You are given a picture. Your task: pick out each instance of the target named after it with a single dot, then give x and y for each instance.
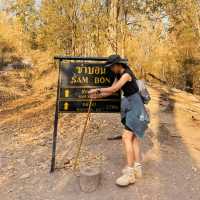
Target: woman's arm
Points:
(100, 95)
(117, 85)
(95, 95)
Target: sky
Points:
(36, 1)
(1, 4)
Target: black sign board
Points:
(76, 79)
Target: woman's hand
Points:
(98, 94)
(93, 93)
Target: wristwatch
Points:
(98, 91)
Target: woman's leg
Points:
(128, 176)
(128, 143)
(137, 154)
(136, 149)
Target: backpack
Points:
(144, 93)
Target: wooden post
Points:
(89, 179)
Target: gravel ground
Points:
(171, 150)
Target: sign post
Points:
(55, 130)
(75, 79)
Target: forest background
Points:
(161, 38)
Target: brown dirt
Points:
(171, 150)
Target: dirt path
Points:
(171, 151)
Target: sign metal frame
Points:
(57, 111)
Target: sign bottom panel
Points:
(82, 106)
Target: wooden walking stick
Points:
(82, 134)
(89, 178)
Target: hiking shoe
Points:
(137, 170)
(127, 178)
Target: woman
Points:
(133, 116)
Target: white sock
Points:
(137, 165)
(130, 167)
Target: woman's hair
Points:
(125, 65)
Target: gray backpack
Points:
(144, 93)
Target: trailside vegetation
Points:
(159, 37)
